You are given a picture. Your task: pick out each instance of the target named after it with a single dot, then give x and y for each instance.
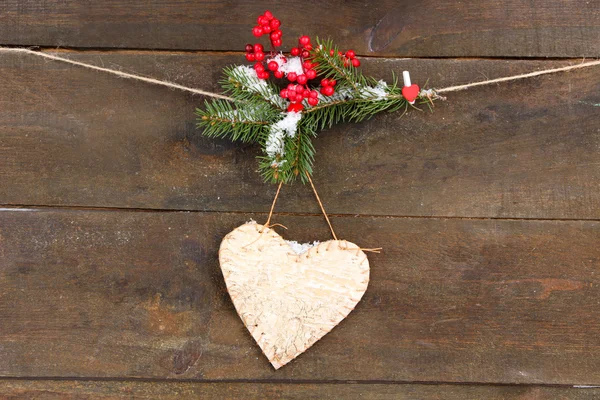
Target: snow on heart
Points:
(290, 295)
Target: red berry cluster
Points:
(268, 25)
(297, 93)
(327, 87)
(298, 89)
(261, 73)
(255, 53)
(303, 49)
(349, 58)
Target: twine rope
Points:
(268, 225)
(220, 96)
(517, 77)
(273, 205)
(428, 93)
(312, 185)
(114, 72)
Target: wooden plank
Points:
(73, 137)
(49, 389)
(140, 294)
(516, 28)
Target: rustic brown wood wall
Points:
(112, 205)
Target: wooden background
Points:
(112, 205)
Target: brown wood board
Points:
(75, 137)
(71, 390)
(140, 294)
(490, 28)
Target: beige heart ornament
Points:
(287, 300)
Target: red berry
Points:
(250, 57)
(311, 74)
(295, 108)
(299, 89)
(305, 54)
(346, 62)
(278, 74)
(275, 23)
(350, 54)
(292, 76)
(257, 31)
(328, 90)
(324, 82)
(258, 48)
(308, 47)
(273, 66)
(304, 40)
(262, 20)
(283, 93)
(295, 51)
(249, 48)
(314, 94)
(264, 75)
(276, 42)
(302, 79)
(356, 63)
(331, 52)
(259, 69)
(305, 93)
(313, 101)
(266, 29)
(332, 82)
(291, 86)
(268, 15)
(306, 65)
(259, 56)
(278, 33)
(299, 97)
(339, 53)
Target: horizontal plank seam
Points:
(34, 208)
(290, 381)
(166, 51)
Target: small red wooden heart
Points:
(411, 92)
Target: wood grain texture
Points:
(74, 137)
(75, 390)
(140, 294)
(514, 28)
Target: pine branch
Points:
(334, 66)
(242, 84)
(259, 114)
(297, 158)
(357, 97)
(247, 122)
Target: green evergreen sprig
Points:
(257, 111)
(247, 122)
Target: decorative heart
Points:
(411, 92)
(287, 300)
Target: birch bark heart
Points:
(289, 301)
